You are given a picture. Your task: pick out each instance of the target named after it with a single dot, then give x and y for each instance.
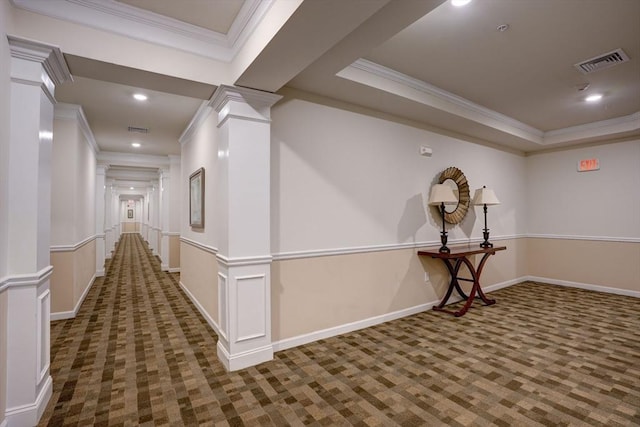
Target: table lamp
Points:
(442, 194)
(484, 196)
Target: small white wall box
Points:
(425, 151)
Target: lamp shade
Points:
(485, 196)
(442, 193)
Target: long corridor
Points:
(139, 353)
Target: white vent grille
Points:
(138, 129)
(603, 61)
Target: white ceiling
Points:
(426, 61)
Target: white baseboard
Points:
(376, 320)
(62, 315)
(100, 273)
(587, 286)
(174, 270)
(164, 267)
(29, 415)
(350, 327)
(201, 309)
(244, 359)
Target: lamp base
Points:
(443, 239)
(486, 243)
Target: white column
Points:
(165, 197)
(101, 187)
(117, 216)
(243, 211)
(109, 239)
(35, 70)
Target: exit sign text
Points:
(586, 165)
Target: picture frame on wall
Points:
(130, 213)
(196, 199)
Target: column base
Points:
(29, 415)
(244, 359)
(244, 311)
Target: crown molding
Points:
(75, 112)
(196, 121)
(123, 19)
(456, 103)
(112, 158)
(610, 127)
(470, 110)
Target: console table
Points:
(454, 260)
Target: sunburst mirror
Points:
(454, 178)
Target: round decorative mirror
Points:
(454, 178)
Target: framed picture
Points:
(196, 199)
(130, 213)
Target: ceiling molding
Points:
(248, 18)
(75, 112)
(139, 24)
(112, 158)
(196, 121)
(362, 70)
(609, 128)
(375, 75)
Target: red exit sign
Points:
(586, 165)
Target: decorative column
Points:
(153, 218)
(116, 216)
(165, 197)
(109, 239)
(35, 71)
(243, 225)
(101, 187)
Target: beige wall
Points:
(85, 268)
(609, 264)
(62, 282)
(73, 273)
(131, 227)
(174, 252)
(199, 275)
(312, 294)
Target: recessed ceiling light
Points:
(140, 97)
(130, 188)
(593, 98)
(459, 3)
(135, 144)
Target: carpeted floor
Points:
(138, 353)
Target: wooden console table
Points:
(454, 260)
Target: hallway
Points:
(139, 353)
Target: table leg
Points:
(484, 298)
(474, 288)
(453, 284)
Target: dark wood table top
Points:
(460, 251)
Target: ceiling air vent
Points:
(138, 130)
(601, 62)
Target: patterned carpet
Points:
(138, 353)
